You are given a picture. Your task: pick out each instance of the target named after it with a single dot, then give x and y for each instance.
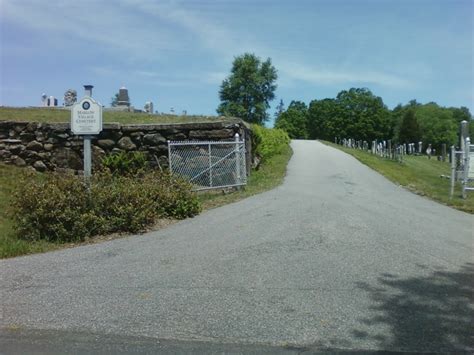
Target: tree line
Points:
(355, 113)
(359, 114)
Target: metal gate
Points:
(208, 164)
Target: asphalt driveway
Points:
(337, 257)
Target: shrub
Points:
(125, 163)
(60, 208)
(54, 209)
(267, 142)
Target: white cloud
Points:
(145, 31)
(298, 72)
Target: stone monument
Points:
(123, 99)
(148, 108)
(70, 97)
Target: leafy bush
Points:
(267, 142)
(60, 208)
(125, 163)
(54, 209)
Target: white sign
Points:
(86, 117)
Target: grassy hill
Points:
(53, 115)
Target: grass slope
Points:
(418, 174)
(51, 115)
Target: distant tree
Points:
(279, 109)
(409, 131)
(298, 105)
(114, 100)
(247, 91)
(324, 121)
(364, 115)
(294, 120)
(437, 125)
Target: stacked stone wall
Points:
(52, 146)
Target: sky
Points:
(176, 53)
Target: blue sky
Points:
(176, 53)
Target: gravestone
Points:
(123, 99)
(70, 97)
(148, 107)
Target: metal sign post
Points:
(86, 120)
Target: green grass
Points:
(418, 174)
(51, 115)
(270, 174)
(10, 245)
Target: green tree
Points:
(365, 117)
(298, 105)
(410, 131)
(325, 120)
(294, 120)
(437, 125)
(247, 91)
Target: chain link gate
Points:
(208, 164)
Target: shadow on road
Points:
(429, 313)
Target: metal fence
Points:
(462, 167)
(207, 164)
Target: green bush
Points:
(60, 208)
(267, 142)
(125, 163)
(54, 209)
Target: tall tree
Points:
(365, 115)
(324, 122)
(298, 105)
(248, 90)
(294, 120)
(279, 109)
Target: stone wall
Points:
(52, 146)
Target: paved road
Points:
(335, 258)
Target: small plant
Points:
(125, 163)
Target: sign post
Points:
(86, 120)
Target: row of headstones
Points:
(385, 149)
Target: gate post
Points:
(453, 171)
(467, 144)
(237, 157)
(210, 164)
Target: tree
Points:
(298, 105)
(294, 120)
(324, 121)
(247, 91)
(437, 125)
(114, 100)
(364, 115)
(410, 131)
(279, 109)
